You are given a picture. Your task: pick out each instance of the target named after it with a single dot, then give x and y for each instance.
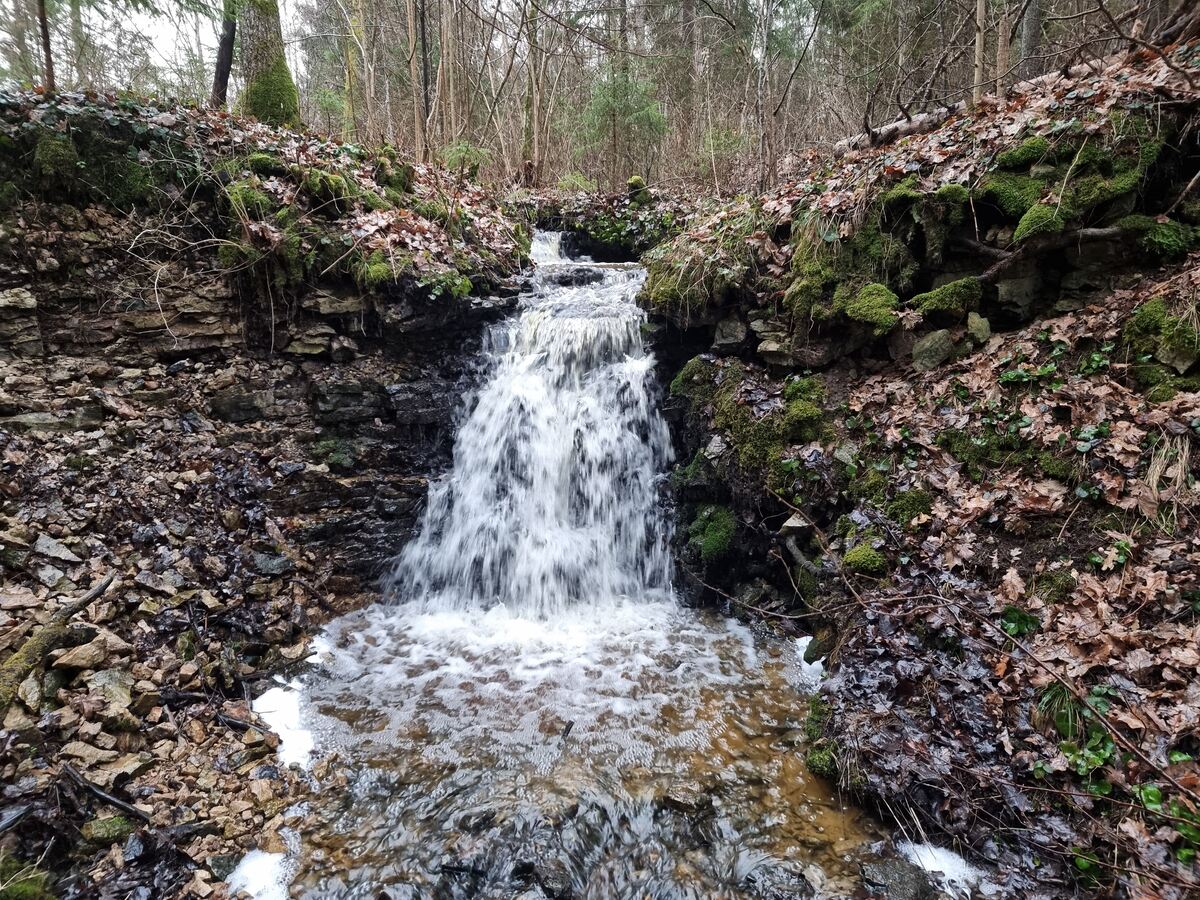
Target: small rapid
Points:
(530, 711)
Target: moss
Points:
(904, 192)
(272, 96)
(331, 191)
(103, 832)
(819, 714)
(951, 300)
(955, 194)
(907, 505)
(822, 762)
(1042, 218)
(1169, 240)
(711, 532)
(247, 200)
(56, 162)
(262, 163)
(694, 380)
(433, 210)
(1055, 586)
(863, 559)
(988, 450)
(1059, 468)
(1172, 340)
(393, 175)
(372, 271)
(874, 305)
(638, 193)
(1025, 154)
(701, 269)
(870, 485)
(339, 454)
(1014, 194)
(22, 881)
(807, 584)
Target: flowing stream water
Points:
(531, 712)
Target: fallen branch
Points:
(115, 802)
(928, 121)
(38, 645)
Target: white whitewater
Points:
(551, 498)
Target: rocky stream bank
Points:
(935, 400)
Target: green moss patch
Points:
(951, 300)
(1031, 150)
(874, 305)
(22, 881)
(1042, 218)
(711, 532)
(272, 97)
(863, 559)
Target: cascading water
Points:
(551, 499)
(532, 713)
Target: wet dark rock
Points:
(571, 276)
(898, 879)
(268, 564)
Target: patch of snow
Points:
(954, 874)
(809, 675)
(280, 708)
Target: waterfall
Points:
(551, 499)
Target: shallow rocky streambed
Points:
(530, 711)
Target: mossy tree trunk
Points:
(270, 94)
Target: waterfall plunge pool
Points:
(532, 714)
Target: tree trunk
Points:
(270, 94)
(980, 51)
(25, 65)
(1003, 50)
(419, 142)
(1031, 40)
(47, 55)
(220, 85)
(80, 45)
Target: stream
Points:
(530, 711)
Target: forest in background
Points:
(715, 95)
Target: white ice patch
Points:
(954, 874)
(264, 876)
(280, 709)
(809, 674)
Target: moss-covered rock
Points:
(637, 191)
(1031, 150)
(56, 163)
(1014, 194)
(1166, 239)
(863, 559)
(822, 762)
(874, 305)
(951, 300)
(711, 533)
(103, 832)
(1154, 331)
(1041, 218)
(907, 505)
